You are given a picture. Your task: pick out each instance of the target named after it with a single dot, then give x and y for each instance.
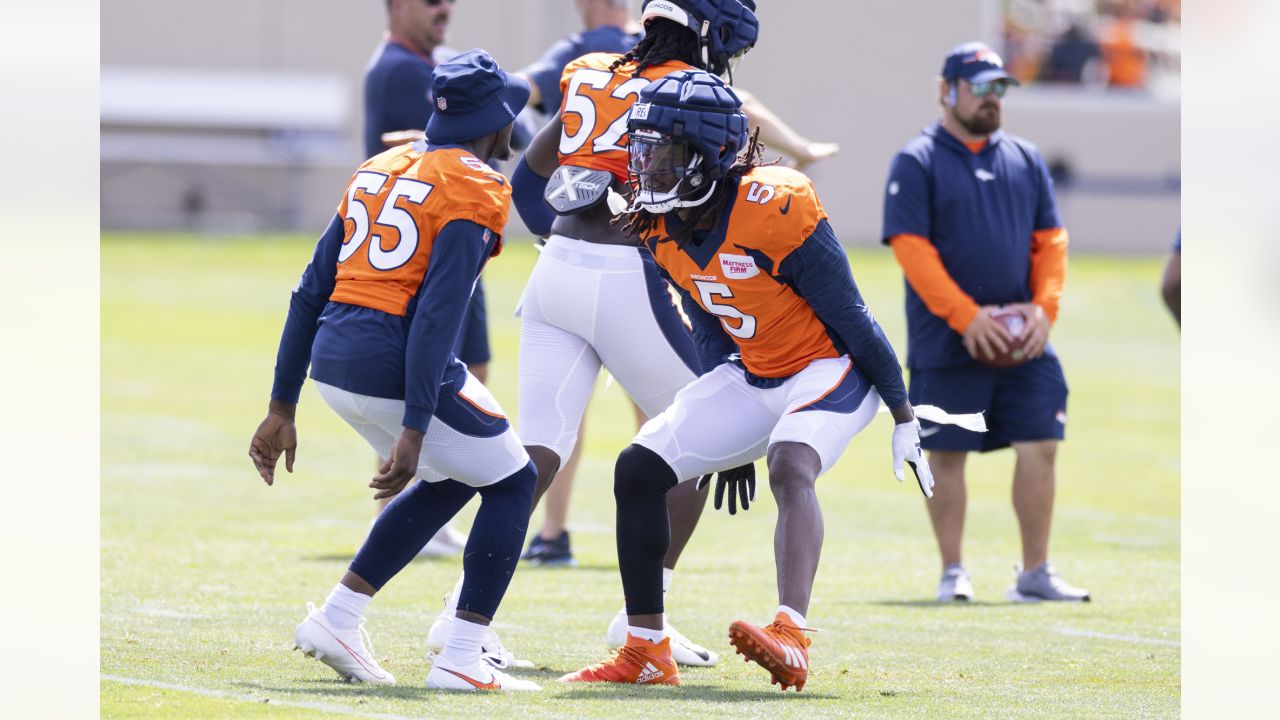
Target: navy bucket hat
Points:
(977, 63)
(473, 97)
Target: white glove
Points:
(906, 447)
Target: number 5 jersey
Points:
(771, 284)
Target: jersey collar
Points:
(704, 251)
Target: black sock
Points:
(405, 525)
(640, 483)
(495, 541)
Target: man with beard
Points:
(971, 217)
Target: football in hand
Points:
(1015, 323)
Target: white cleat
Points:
(491, 649)
(447, 542)
(446, 675)
(954, 585)
(348, 652)
(1044, 584)
(683, 650)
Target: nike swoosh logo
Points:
(929, 431)
(478, 685)
(786, 207)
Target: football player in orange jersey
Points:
(375, 316)
(793, 363)
(595, 298)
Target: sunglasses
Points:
(983, 89)
(437, 3)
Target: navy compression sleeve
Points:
(308, 301)
(456, 257)
(527, 190)
(819, 271)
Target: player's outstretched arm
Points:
(776, 134)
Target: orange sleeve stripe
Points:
(929, 278)
(1048, 269)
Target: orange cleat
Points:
(781, 648)
(639, 662)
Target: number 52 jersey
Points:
(594, 111)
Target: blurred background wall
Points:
(245, 115)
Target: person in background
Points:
(971, 216)
(1171, 282)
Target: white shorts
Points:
(721, 421)
(468, 440)
(588, 305)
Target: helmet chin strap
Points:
(672, 202)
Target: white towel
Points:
(969, 421)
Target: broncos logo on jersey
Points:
(733, 273)
(594, 111)
(395, 205)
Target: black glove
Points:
(740, 479)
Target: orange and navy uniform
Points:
(971, 224)
(379, 308)
(430, 189)
(771, 283)
(594, 111)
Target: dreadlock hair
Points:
(642, 223)
(664, 40)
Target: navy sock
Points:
(495, 541)
(641, 480)
(405, 525)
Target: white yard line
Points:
(1122, 638)
(205, 692)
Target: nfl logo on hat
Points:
(440, 103)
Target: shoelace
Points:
(366, 640)
(626, 653)
(493, 651)
(780, 628)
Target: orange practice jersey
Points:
(594, 111)
(395, 206)
(733, 273)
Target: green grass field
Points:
(205, 570)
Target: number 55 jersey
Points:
(378, 309)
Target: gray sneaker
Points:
(954, 584)
(1043, 583)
